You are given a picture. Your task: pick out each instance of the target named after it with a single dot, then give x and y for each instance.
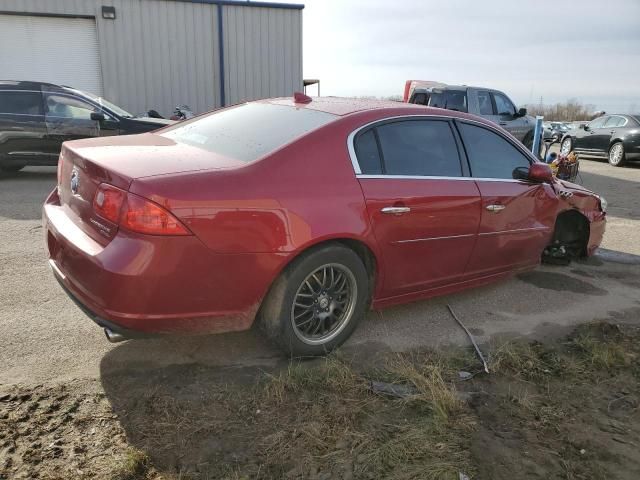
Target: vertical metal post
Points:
(223, 100)
(537, 134)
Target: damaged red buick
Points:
(299, 215)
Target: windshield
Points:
(250, 131)
(106, 104)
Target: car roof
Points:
(341, 106)
(372, 109)
(28, 85)
(454, 88)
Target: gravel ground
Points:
(45, 338)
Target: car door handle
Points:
(395, 210)
(503, 123)
(495, 208)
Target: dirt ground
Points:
(567, 409)
(229, 406)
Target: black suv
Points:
(35, 118)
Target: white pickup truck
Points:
(484, 102)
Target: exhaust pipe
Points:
(114, 337)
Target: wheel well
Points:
(366, 255)
(360, 248)
(572, 231)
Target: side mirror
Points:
(540, 172)
(97, 116)
(521, 173)
(522, 112)
(584, 126)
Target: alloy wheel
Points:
(324, 303)
(565, 148)
(615, 154)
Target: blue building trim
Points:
(223, 100)
(247, 3)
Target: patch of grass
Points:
(333, 373)
(325, 414)
(599, 353)
(530, 361)
(135, 466)
(427, 377)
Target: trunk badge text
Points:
(75, 181)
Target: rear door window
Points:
(484, 103)
(248, 132)
(21, 103)
(615, 121)
(419, 148)
(490, 155)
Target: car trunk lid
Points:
(117, 161)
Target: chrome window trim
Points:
(358, 170)
(425, 177)
(22, 114)
(18, 90)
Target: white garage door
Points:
(50, 49)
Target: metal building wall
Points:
(263, 52)
(162, 53)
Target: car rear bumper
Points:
(142, 284)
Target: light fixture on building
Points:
(109, 13)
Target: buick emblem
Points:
(75, 181)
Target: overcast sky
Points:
(587, 49)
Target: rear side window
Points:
(250, 131)
(368, 154)
(420, 99)
(419, 147)
(449, 99)
(21, 103)
(490, 155)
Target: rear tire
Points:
(316, 303)
(617, 156)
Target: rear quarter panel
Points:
(300, 195)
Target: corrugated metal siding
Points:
(263, 52)
(56, 50)
(162, 53)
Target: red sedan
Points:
(301, 215)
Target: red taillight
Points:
(108, 202)
(135, 213)
(144, 216)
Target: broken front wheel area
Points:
(570, 239)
